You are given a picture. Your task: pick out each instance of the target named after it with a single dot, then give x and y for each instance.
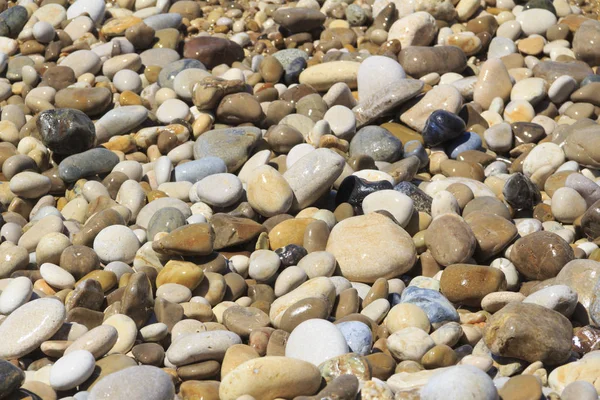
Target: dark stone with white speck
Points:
(291, 254)
(421, 200)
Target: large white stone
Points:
(72, 370)
(375, 75)
(30, 325)
(316, 341)
(95, 8)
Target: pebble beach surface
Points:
(321, 199)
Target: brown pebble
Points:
(439, 356)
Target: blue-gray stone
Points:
(168, 73)
(357, 335)
(232, 145)
(376, 142)
(415, 148)
(435, 305)
(293, 70)
(91, 162)
(285, 57)
(442, 126)
(165, 220)
(256, 60)
(45, 211)
(194, 171)
(163, 21)
(466, 141)
(356, 15)
(12, 21)
(589, 79)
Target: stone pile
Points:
(260, 200)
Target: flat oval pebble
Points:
(71, 370)
(271, 377)
(152, 384)
(56, 276)
(30, 325)
(97, 341)
(15, 294)
(220, 190)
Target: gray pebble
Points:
(88, 163)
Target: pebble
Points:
(12, 377)
(444, 97)
(414, 181)
(442, 126)
(417, 29)
(268, 192)
(152, 384)
(321, 338)
(119, 121)
(517, 320)
(536, 21)
(15, 294)
(87, 163)
(457, 248)
(98, 341)
(376, 142)
(396, 203)
(72, 370)
(116, 243)
(271, 377)
(30, 325)
(358, 336)
(410, 343)
(95, 9)
(559, 298)
(493, 81)
(66, 131)
(375, 74)
(323, 76)
(473, 383)
(201, 346)
(528, 262)
(57, 277)
(376, 233)
(310, 176)
(220, 190)
(579, 390)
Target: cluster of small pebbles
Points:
(260, 200)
